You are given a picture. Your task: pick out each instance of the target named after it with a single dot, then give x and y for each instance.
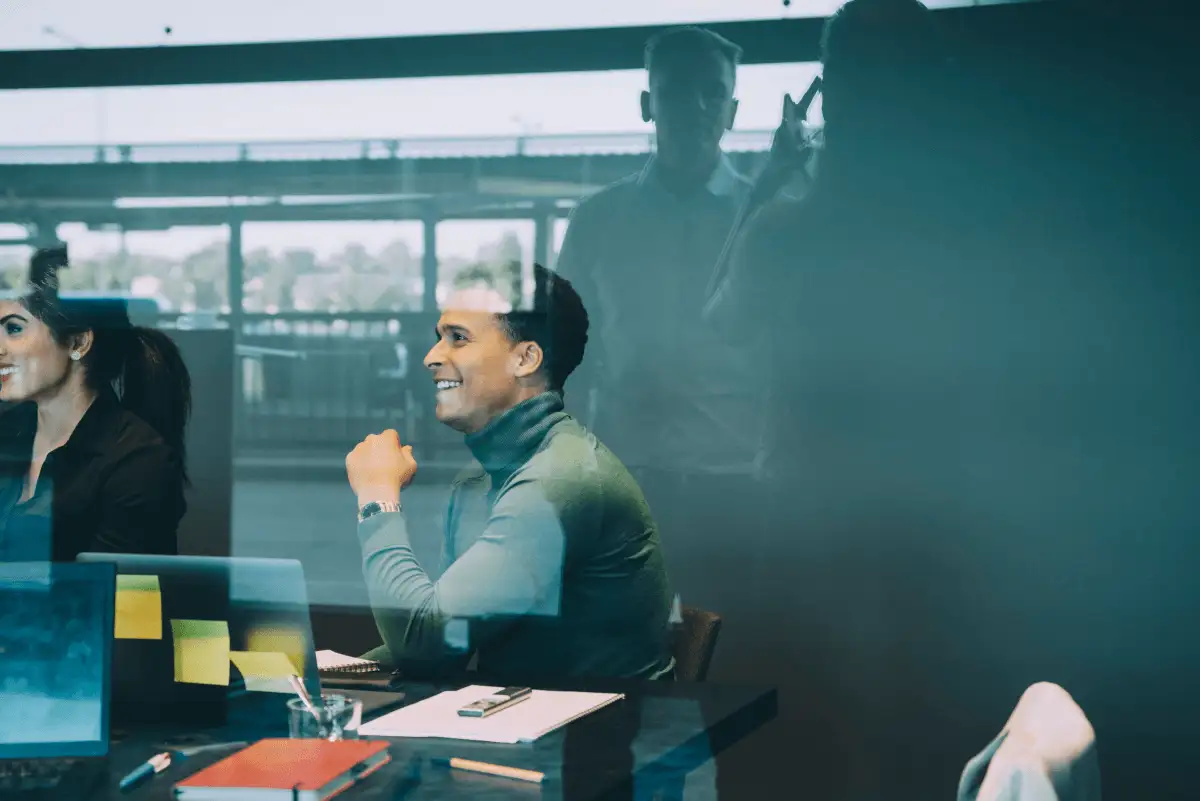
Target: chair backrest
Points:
(694, 641)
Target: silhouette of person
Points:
(680, 406)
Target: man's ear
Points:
(646, 115)
(528, 359)
(733, 107)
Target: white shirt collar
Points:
(724, 181)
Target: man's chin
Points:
(449, 418)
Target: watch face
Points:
(376, 507)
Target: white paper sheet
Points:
(525, 722)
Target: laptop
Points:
(206, 641)
(56, 634)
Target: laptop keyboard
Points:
(19, 775)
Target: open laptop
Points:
(56, 633)
(207, 641)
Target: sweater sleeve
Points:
(514, 568)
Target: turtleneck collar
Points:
(510, 439)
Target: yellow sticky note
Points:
(264, 672)
(287, 641)
(139, 608)
(201, 651)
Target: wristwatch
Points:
(375, 508)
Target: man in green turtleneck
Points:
(553, 567)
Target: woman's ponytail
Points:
(155, 385)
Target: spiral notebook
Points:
(331, 661)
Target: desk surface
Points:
(662, 729)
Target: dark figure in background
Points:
(958, 421)
(891, 155)
(92, 447)
(552, 565)
(894, 190)
(836, 294)
(679, 406)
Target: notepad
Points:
(525, 722)
(308, 770)
(332, 660)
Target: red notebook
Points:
(305, 770)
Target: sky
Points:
(145, 22)
(431, 107)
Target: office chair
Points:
(693, 643)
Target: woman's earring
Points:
(76, 355)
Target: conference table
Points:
(658, 734)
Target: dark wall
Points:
(990, 497)
(209, 355)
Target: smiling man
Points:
(553, 567)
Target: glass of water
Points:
(337, 718)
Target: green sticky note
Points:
(201, 651)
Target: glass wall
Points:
(184, 269)
(497, 254)
(14, 258)
(439, 108)
(332, 266)
(909, 482)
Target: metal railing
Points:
(539, 145)
(320, 382)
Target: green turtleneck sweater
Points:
(553, 566)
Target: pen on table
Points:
(492, 770)
(155, 764)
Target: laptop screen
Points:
(206, 640)
(56, 632)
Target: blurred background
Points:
(291, 192)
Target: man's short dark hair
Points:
(684, 45)
(879, 37)
(558, 323)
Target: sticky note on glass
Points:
(264, 672)
(288, 641)
(139, 608)
(201, 651)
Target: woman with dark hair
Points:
(91, 442)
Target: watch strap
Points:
(375, 508)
